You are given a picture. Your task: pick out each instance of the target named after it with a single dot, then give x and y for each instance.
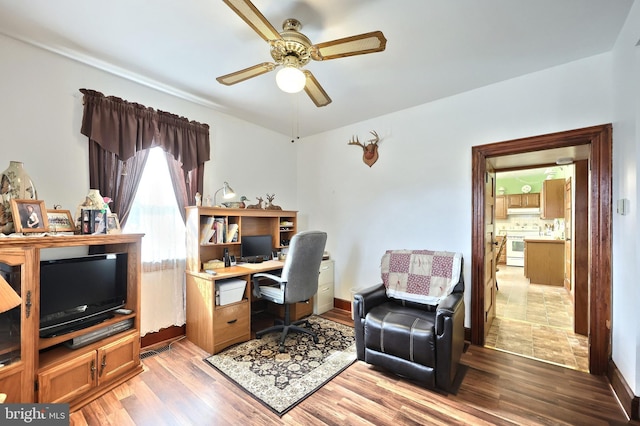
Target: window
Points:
(155, 213)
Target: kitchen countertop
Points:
(543, 239)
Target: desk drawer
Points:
(231, 324)
(326, 273)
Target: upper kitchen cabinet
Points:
(515, 201)
(552, 199)
(501, 207)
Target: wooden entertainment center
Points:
(44, 370)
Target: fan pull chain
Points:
(295, 118)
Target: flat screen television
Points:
(252, 246)
(79, 292)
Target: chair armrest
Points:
(449, 304)
(256, 282)
(449, 328)
(367, 299)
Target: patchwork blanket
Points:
(421, 276)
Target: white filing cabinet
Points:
(323, 300)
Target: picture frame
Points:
(31, 216)
(113, 224)
(60, 220)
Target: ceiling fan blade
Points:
(349, 46)
(256, 20)
(315, 91)
(247, 73)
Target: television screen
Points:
(80, 292)
(252, 246)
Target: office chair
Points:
(297, 283)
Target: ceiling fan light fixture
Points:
(290, 79)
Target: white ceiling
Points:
(435, 48)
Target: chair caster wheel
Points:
(316, 340)
(281, 349)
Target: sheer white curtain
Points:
(155, 213)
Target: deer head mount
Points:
(369, 149)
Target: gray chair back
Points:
(302, 265)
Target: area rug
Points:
(280, 381)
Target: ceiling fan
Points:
(292, 50)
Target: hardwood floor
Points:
(178, 388)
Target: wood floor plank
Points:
(178, 388)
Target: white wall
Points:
(40, 119)
(418, 194)
(41, 113)
(626, 232)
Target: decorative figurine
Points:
(258, 205)
(198, 199)
(270, 205)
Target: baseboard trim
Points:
(168, 333)
(630, 402)
(345, 305)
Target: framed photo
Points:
(29, 216)
(113, 224)
(60, 220)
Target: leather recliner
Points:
(423, 343)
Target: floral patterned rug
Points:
(282, 380)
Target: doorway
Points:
(596, 143)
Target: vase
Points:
(15, 183)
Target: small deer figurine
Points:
(258, 205)
(270, 205)
(370, 150)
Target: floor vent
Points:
(155, 351)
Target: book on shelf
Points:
(232, 232)
(219, 225)
(207, 230)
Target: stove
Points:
(515, 244)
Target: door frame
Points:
(599, 139)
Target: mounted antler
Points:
(370, 150)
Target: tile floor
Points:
(536, 321)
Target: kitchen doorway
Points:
(592, 144)
(536, 303)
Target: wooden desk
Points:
(213, 327)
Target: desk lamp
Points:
(9, 299)
(227, 193)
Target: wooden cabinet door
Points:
(118, 357)
(501, 207)
(552, 200)
(514, 201)
(531, 200)
(11, 384)
(68, 380)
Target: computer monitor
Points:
(252, 246)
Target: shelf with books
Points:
(203, 244)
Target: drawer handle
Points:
(324, 268)
(232, 321)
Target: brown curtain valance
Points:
(125, 128)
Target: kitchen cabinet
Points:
(552, 199)
(515, 201)
(544, 261)
(501, 207)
